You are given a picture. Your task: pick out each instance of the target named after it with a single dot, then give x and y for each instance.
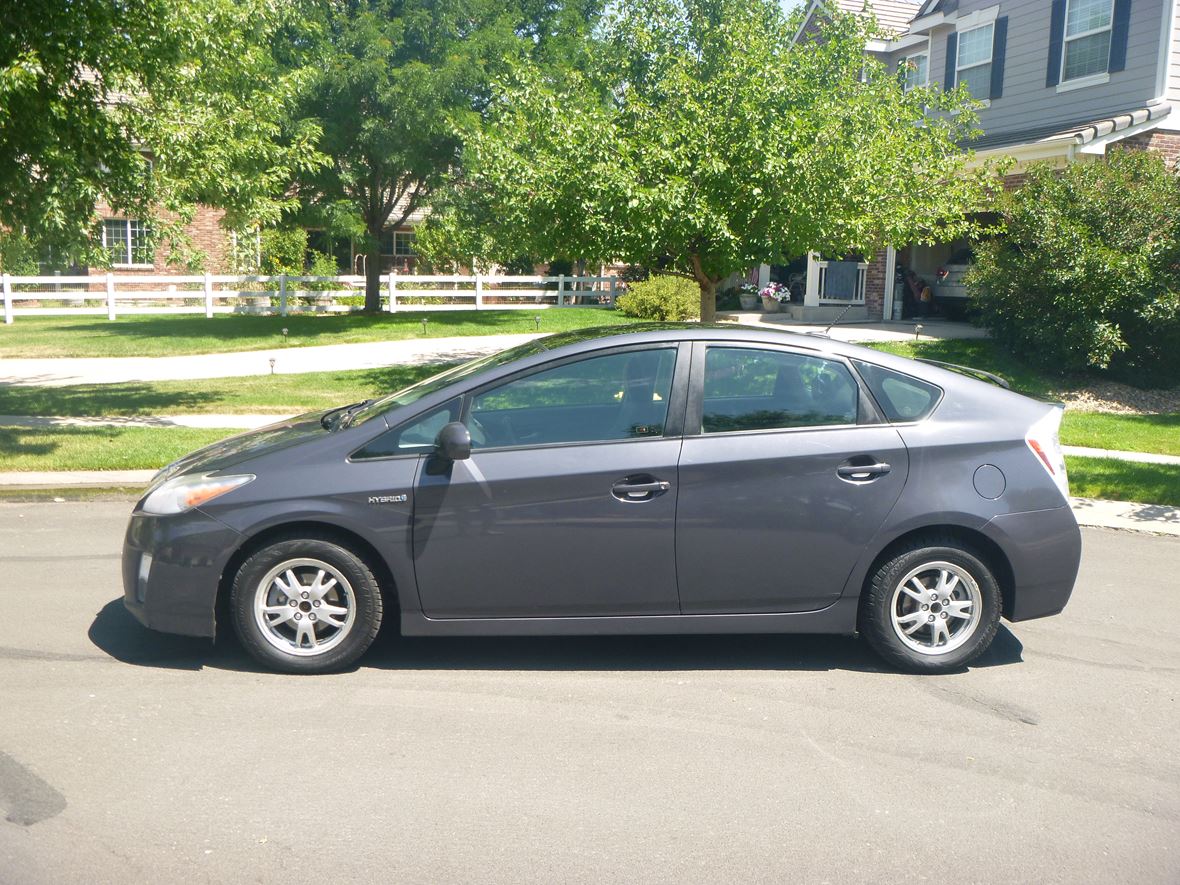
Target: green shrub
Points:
(283, 250)
(1087, 274)
(662, 298)
(18, 254)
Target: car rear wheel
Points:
(306, 605)
(932, 608)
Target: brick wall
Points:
(1164, 141)
(875, 286)
(207, 236)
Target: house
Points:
(1060, 81)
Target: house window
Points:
(914, 70)
(397, 251)
(126, 241)
(403, 244)
(974, 63)
(1087, 38)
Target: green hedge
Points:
(1086, 275)
(661, 298)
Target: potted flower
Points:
(773, 295)
(748, 296)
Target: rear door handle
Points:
(640, 488)
(863, 472)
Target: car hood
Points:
(227, 452)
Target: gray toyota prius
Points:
(675, 479)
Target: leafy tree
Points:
(398, 83)
(697, 140)
(1087, 272)
(148, 106)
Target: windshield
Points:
(415, 392)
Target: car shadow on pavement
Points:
(119, 635)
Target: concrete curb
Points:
(1138, 457)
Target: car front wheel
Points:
(306, 605)
(931, 608)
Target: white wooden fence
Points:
(120, 294)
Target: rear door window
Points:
(753, 389)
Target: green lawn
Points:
(99, 448)
(1158, 434)
(1124, 481)
(174, 335)
(264, 394)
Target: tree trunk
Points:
(708, 301)
(373, 276)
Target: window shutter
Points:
(1118, 35)
(999, 43)
(952, 51)
(1056, 39)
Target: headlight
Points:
(189, 491)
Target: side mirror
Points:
(454, 441)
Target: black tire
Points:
(884, 596)
(344, 618)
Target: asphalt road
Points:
(130, 757)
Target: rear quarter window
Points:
(901, 397)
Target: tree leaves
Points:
(695, 136)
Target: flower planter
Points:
(748, 302)
(770, 305)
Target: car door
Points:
(785, 475)
(567, 504)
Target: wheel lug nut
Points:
(299, 616)
(944, 614)
(934, 597)
(931, 618)
(311, 617)
(925, 607)
(304, 594)
(294, 603)
(316, 603)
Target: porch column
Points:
(763, 276)
(811, 295)
(890, 269)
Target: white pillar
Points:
(110, 296)
(478, 291)
(890, 270)
(393, 291)
(282, 294)
(763, 276)
(811, 296)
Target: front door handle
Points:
(639, 488)
(863, 472)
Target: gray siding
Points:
(1027, 103)
(1173, 89)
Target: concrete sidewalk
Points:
(287, 361)
(378, 354)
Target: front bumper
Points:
(1044, 548)
(172, 566)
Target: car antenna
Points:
(836, 321)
